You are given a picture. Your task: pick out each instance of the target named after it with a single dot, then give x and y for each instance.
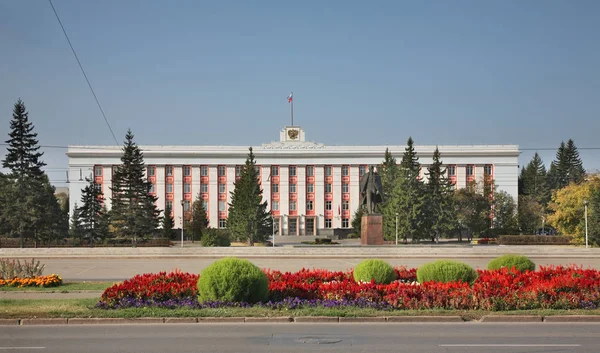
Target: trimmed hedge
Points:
(533, 240)
(509, 261)
(77, 243)
(233, 280)
(378, 270)
(215, 237)
(446, 271)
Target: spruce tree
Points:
(575, 172)
(90, 211)
(168, 223)
(29, 191)
(248, 217)
(594, 217)
(134, 214)
(75, 229)
(567, 168)
(388, 171)
(533, 180)
(199, 221)
(440, 214)
(357, 222)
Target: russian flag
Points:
(289, 98)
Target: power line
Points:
(83, 71)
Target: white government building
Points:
(311, 188)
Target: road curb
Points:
(322, 319)
(115, 321)
(572, 318)
(364, 319)
(425, 319)
(512, 318)
(50, 321)
(269, 319)
(214, 320)
(181, 320)
(11, 322)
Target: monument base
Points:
(371, 230)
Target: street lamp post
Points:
(396, 228)
(182, 221)
(273, 222)
(585, 203)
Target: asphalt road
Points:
(295, 337)
(94, 269)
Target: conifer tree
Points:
(168, 223)
(440, 212)
(199, 221)
(388, 171)
(533, 180)
(567, 168)
(29, 191)
(134, 214)
(248, 217)
(75, 229)
(575, 171)
(91, 210)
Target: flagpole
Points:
(292, 107)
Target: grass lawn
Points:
(63, 288)
(67, 308)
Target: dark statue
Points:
(371, 190)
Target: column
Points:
(230, 181)
(195, 182)
(213, 196)
(266, 185)
(284, 197)
(106, 185)
(301, 203)
(178, 195)
(319, 197)
(479, 173)
(461, 176)
(336, 221)
(160, 186)
(354, 190)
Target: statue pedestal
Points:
(371, 230)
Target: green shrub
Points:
(533, 240)
(446, 271)
(233, 280)
(215, 237)
(379, 270)
(519, 262)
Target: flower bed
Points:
(548, 288)
(39, 281)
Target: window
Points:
(238, 170)
(169, 204)
(310, 188)
(345, 223)
(292, 205)
(169, 170)
(469, 170)
(292, 188)
(487, 169)
(328, 205)
(274, 170)
(327, 222)
(345, 170)
(187, 170)
(345, 205)
(169, 188)
(187, 188)
(204, 188)
(221, 206)
(257, 169)
(205, 205)
(222, 188)
(152, 188)
(309, 226)
(309, 205)
(98, 170)
(204, 170)
(151, 171)
(451, 170)
(98, 187)
(310, 170)
(222, 223)
(222, 171)
(362, 170)
(274, 188)
(293, 170)
(186, 205)
(274, 205)
(327, 170)
(328, 187)
(344, 188)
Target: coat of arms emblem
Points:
(293, 134)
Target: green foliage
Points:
(440, 214)
(532, 180)
(134, 214)
(168, 223)
(233, 280)
(533, 240)
(446, 271)
(530, 214)
(567, 168)
(519, 262)
(248, 217)
(472, 210)
(505, 214)
(356, 222)
(594, 216)
(389, 172)
(374, 269)
(215, 237)
(199, 221)
(91, 211)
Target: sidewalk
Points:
(82, 294)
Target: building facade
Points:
(311, 188)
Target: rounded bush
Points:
(378, 270)
(446, 271)
(233, 280)
(519, 262)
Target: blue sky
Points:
(197, 72)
